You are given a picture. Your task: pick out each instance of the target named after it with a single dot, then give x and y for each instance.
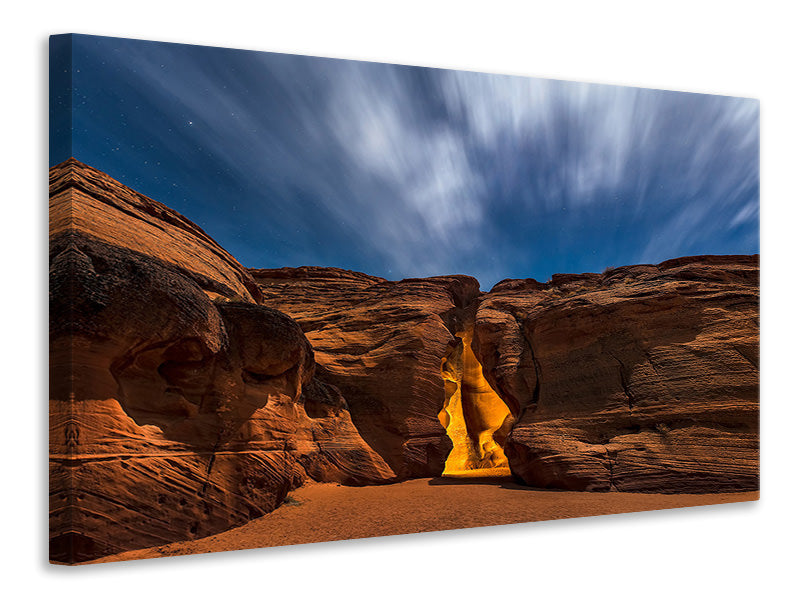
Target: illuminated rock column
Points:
(475, 417)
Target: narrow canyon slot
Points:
(475, 417)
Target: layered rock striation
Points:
(189, 394)
(643, 378)
(382, 343)
(179, 406)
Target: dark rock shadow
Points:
(503, 482)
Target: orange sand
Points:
(321, 512)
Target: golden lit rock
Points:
(475, 417)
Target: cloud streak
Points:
(404, 171)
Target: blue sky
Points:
(404, 171)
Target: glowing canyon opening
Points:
(475, 417)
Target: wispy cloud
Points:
(405, 171)
(425, 202)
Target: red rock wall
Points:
(644, 378)
(177, 410)
(382, 344)
(190, 395)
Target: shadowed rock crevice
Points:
(381, 343)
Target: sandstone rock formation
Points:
(86, 200)
(382, 344)
(177, 409)
(477, 419)
(644, 378)
(190, 395)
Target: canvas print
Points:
(298, 299)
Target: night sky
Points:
(406, 171)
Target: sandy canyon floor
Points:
(322, 512)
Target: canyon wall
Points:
(179, 407)
(643, 378)
(382, 344)
(189, 395)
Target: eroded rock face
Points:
(190, 395)
(644, 378)
(477, 419)
(382, 344)
(86, 200)
(173, 415)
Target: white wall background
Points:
(732, 48)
